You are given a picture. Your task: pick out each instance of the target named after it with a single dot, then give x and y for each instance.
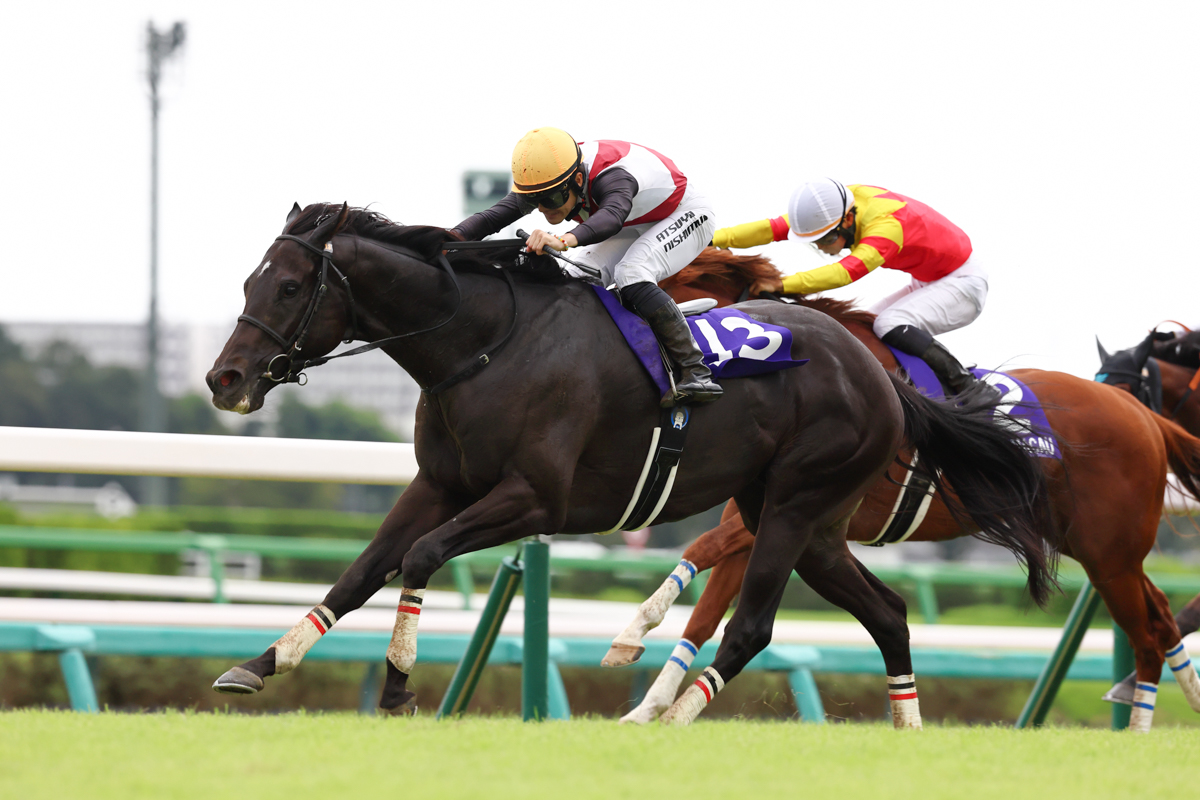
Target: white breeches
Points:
(656, 250)
(937, 307)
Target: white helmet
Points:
(817, 207)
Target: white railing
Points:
(263, 458)
(191, 455)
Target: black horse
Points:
(549, 434)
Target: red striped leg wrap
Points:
(694, 698)
(402, 651)
(293, 645)
(902, 695)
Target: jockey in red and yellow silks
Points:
(883, 229)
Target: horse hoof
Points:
(1120, 693)
(238, 681)
(642, 715)
(406, 708)
(622, 655)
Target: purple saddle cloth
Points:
(1018, 401)
(733, 345)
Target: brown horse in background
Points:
(1115, 452)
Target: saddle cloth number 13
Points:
(723, 354)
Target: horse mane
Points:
(732, 273)
(428, 241)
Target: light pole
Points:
(160, 46)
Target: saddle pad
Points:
(734, 346)
(1017, 401)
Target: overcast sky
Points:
(1059, 136)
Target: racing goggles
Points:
(554, 198)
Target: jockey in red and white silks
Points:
(639, 222)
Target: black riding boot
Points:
(949, 370)
(695, 384)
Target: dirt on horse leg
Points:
(723, 586)
(782, 536)
(1142, 612)
(830, 569)
(512, 510)
(727, 538)
(1187, 620)
(419, 509)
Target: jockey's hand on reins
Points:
(591, 272)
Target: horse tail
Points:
(994, 481)
(1183, 454)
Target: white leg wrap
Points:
(402, 651)
(651, 612)
(1185, 674)
(902, 694)
(694, 699)
(293, 645)
(1143, 707)
(662, 692)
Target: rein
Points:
(1191, 387)
(295, 374)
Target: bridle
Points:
(286, 367)
(287, 373)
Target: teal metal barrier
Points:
(1122, 664)
(466, 677)
(921, 579)
(535, 678)
(1052, 675)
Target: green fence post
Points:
(215, 546)
(808, 697)
(460, 569)
(1046, 688)
(78, 678)
(927, 600)
(559, 704)
(466, 677)
(535, 689)
(1123, 664)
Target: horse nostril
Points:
(225, 378)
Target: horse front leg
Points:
(511, 511)
(422, 507)
(723, 541)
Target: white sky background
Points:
(1059, 136)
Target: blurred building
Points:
(186, 353)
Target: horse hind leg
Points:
(727, 538)
(1188, 622)
(1142, 611)
(723, 586)
(835, 574)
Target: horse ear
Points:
(1104, 356)
(291, 217)
(329, 228)
(1142, 352)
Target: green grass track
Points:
(172, 755)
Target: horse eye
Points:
(290, 289)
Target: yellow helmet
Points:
(543, 159)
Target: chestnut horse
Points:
(1116, 454)
(534, 420)
(1166, 383)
